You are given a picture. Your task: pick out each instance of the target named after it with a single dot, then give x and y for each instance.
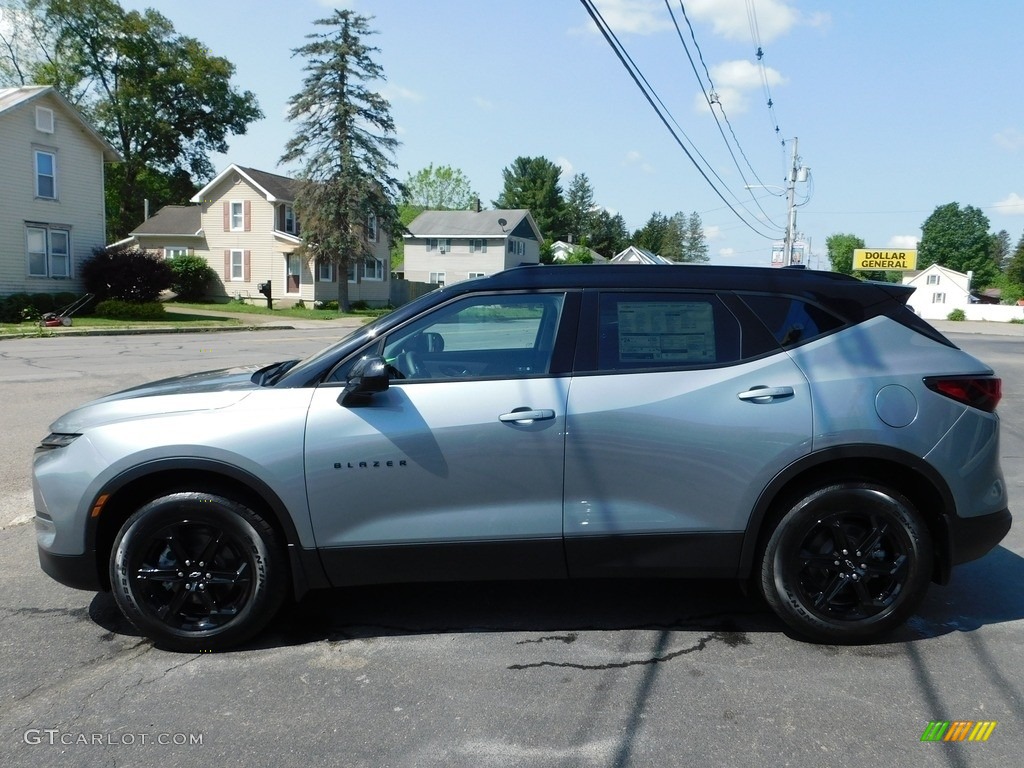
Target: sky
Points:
(896, 108)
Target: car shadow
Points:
(981, 593)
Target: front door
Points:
(454, 472)
(293, 282)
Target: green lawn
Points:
(300, 312)
(171, 321)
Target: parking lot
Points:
(524, 674)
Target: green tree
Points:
(579, 208)
(443, 188)
(1000, 249)
(651, 236)
(345, 141)
(533, 183)
(840, 249)
(609, 233)
(1015, 268)
(162, 99)
(695, 244)
(958, 238)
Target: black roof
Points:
(824, 287)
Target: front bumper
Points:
(78, 571)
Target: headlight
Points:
(58, 440)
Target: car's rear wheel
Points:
(847, 563)
(197, 572)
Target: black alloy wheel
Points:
(197, 572)
(847, 563)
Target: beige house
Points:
(244, 224)
(444, 247)
(52, 212)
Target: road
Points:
(595, 674)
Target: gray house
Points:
(53, 212)
(445, 247)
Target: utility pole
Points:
(791, 218)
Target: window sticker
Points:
(666, 331)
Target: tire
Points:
(197, 572)
(847, 563)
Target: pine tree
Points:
(346, 143)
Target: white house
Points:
(244, 224)
(634, 255)
(445, 247)
(940, 290)
(560, 251)
(52, 209)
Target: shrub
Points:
(328, 305)
(957, 314)
(191, 276)
(127, 274)
(115, 309)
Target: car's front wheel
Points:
(197, 572)
(847, 562)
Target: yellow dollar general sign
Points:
(904, 260)
(958, 730)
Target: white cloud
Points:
(639, 17)
(731, 19)
(1011, 205)
(733, 81)
(397, 92)
(565, 165)
(901, 242)
(726, 253)
(635, 159)
(1010, 139)
(713, 232)
(484, 103)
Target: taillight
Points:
(981, 392)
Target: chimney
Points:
(476, 205)
(145, 209)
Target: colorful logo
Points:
(958, 730)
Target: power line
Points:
(651, 97)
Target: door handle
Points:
(763, 394)
(526, 415)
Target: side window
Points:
(791, 320)
(478, 337)
(660, 331)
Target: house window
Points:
(437, 277)
(49, 252)
(173, 251)
(371, 228)
(237, 264)
(516, 247)
(477, 274)
(325, 271)
(938, 298)
(289, 219)
(373, 269)
(237, 216)
(44, 119)
(478, 246)
(46, 174)
(440, 244)
(933, 279)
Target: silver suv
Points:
(801, 430)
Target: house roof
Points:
(181, 220)
(560, 248)
(14, 98)
(634, 255)
(274, 187)
(471, 223)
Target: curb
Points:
(54, 332)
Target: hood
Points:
(208, 390)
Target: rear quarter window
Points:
(792, 321)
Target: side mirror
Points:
(367, 377)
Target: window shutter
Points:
(247, 216)
(246, 255)
(227, 263)
(227, 217)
